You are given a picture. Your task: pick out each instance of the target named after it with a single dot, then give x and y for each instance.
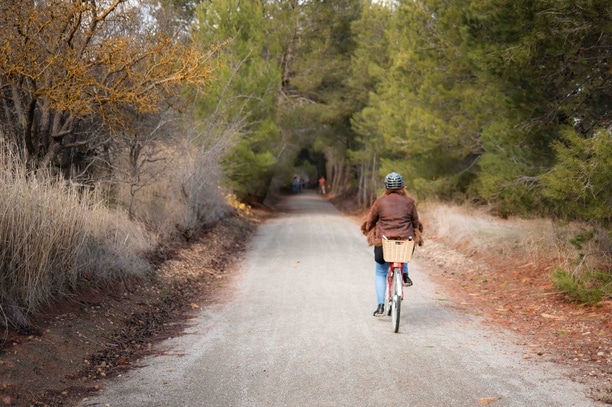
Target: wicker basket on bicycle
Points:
(397, 250)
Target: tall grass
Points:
(581, 252)
(52, 236)
(476, 231)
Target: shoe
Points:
(407, 280)
(380, 310)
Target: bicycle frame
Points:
(395, 293)
(390, 275)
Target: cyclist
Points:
(393, 215)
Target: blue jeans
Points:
(380, 282)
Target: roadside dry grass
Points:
(526, 240)
(55, 235)
(99, 333)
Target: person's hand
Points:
(418, 237)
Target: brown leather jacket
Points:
(393, 215)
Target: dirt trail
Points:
(98, 335)
(296, 328)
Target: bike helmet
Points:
(394, 181)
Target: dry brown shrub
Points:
(477, 232)
(184, 195)
(51, 235)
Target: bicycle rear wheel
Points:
(395, 312)
(396, 300)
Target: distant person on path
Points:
(393, 215)
(322, 185)
(296, 184)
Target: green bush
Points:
(588, 288)
(579, 184)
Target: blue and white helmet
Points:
(394, 181)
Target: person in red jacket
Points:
(394, 216)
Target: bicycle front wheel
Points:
(388, 299)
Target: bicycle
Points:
(396, 252)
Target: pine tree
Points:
(245, 91)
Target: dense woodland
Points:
(506, 103)
(157, 104)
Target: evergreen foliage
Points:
(500, 102)
(589, 288)
(580, 184)
(244, 90)
(478, 98)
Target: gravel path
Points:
(296, 329)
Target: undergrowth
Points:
(588, 288)
(55, 235)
